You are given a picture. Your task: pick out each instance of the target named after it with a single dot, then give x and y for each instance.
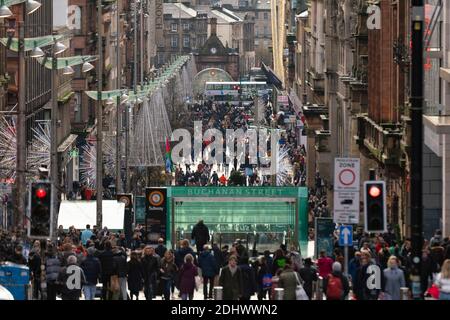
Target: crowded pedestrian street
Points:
(230, 153)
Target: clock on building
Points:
(213, 50)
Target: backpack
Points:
(335, 288)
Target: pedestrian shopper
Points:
(209, 267)
(394, 279)
(200, 234)
(279, 261)
(186, 277)
(120, 270)
(161, 248)
(86, 234)
(443, 281)
(150, 269)
(230, 280)
(52, 269)
(92, 270)
(34, 263)
(106, 260)
(288, 281)
(335, 285)
(135, 275)
(69, 291)
(263, 278)
(168, 273)
(353, 265)
(17, 257)
(182, 252)
(360, 288)
(324, 264)
(248, 280)
(308, 274)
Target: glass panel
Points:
(268, 224)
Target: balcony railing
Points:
(383, 141)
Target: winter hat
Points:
(337, 267)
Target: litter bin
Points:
(15, 278)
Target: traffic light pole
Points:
(54, 145)
(416, 101)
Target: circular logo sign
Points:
(125, 200)
(155, 198)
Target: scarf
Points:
(233, 270)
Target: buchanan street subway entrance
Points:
(262, 217)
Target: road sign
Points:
(346, 190)
(345, 236)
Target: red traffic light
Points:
(41, 193)
(374, 191)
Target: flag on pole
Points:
(168, 157)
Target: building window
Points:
(186, 27)
(256, 31)
(256, 42)
(266, 15)
(256, 15)
(174, 27)
(186, 41)
(266, 43)
(174, 41)
(266, 31)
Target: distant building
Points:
(185, 30)
(214, 54)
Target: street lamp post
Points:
(118, 103)
(99, 111)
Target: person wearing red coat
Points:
(186, 279)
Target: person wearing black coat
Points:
(52, 269)
(308, 275)
(160, 249)
(70, 292)
(106, 259)
(135, 275)
(182, 252)
(92, 270)
(150, 266)
(200, 234)
(120, 269)
(248, 280)
(34, 263)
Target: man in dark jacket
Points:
(336, 278)
(248, 280)
(161, 248)
(308, 275)
(106, 260)
(92, 270)
(71, 278)
(120, 269)
(17, 257)
(52, 269)
(150, 269)
(209, 267)
(231, 280)
(200, 234)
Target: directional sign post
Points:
(346, 236)
(345, 240)
(346, 190)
